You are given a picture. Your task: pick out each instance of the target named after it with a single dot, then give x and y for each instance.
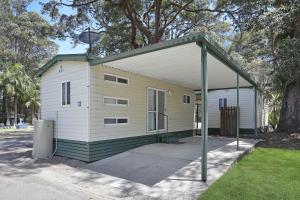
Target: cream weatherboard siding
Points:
(246, 106)
(71, 121)
(180, 115)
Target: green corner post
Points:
(237, 111)
(255, 112)
(204, 128)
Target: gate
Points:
(228, 121)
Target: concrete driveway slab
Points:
(152, 163)
(152, 172)
(139, 167)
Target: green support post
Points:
(255, 112)
(204, 128)
(237, 111)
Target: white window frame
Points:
(117, 76)
(116, 124)
(223, 102)
(61, 94)
(186, 99)
(116, 98)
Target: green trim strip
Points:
(97, 150)
(243, 131)
(228, 88)
(231, 88)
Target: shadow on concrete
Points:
(16, 156)
(153, 163)
(153, 171)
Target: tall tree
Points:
(278, 44)
(25, 42)
(25, 36)
(131, 24)
(16, 84)
(32, 99)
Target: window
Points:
(66, 93)
(115, 79)
(115, 120)
(186, 99)
(122, 121)
(108, 100)
(110, 121)
(122, 102)
(115, 101)
(122, 80)
(110, 78)
(222, 102)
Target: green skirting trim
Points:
(97, 150)
(72, 149)
(216, 131)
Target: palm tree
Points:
(7, 89)
(33, 99)
(15, 84)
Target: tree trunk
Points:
(7, 112)
(290, 110)
(16, 111)
(32, 115)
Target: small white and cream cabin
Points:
(227, 97)
(105, 106)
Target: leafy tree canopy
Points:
(270, 33)
(132, 24)
(24, 36)
(273, 37)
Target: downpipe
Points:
(56, 135)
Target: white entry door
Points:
(156, 110)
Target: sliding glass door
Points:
(156, 110)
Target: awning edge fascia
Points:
(199, 38)
(151, 48)
(215, 49)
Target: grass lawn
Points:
(266, 173)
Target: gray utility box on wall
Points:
(43, 138)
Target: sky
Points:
(65, 46)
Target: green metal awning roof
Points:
(131, 57)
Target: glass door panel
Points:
(151, 100)
(155, 110)
(151, 121)
(161, 110)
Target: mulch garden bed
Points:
(279, 140)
